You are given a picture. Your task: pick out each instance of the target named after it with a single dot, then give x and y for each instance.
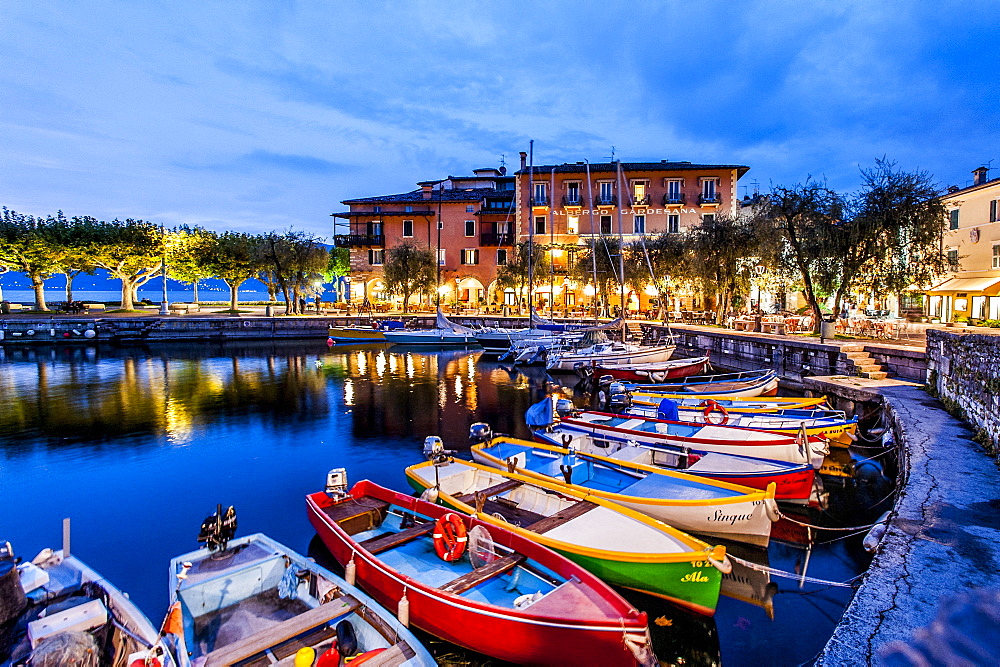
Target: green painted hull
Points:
(691, 584)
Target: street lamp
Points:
(758, 271)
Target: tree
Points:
(337, 268)
(604, 251)
(130, 250)
(188, 254)
(667, 258)
(29, 245)
(297, 260)
(528, 258)
(232, 256)
(409, 269)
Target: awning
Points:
(989, 286)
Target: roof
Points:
(967, 284)
(971, 188)
(463, 194)
(632, 167)
(384, 214)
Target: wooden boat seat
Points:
(479, 575)
(489, 492)
(562, 516)
(282, 632)
(382, 543)
(357, 515)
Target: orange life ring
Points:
(449, 537)
(715, 406)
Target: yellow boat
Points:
(736, 403)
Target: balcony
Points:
(572, 200)
(540, 201)
(640, 200)
(709, 200)
(496, 239)
(673, 199)
(606, 200)
(496, 207)
(358, 240)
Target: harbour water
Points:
(138, 444)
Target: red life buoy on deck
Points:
(715, 406)
(449, 537)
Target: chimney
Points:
(979, 175)
(427, 190)
(524, 160)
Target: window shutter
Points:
(993, 211)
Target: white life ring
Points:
(246, 323)
(30, 332)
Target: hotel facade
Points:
(474, 223)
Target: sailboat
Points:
(445, 332)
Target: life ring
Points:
(449, 537)
(246, 323)
(715, 406)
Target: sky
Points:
(265, 115)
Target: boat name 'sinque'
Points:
(731, 519)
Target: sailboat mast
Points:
(552, 242)
(621, 246)
(437, 256)
(531, 231)
(593, 238)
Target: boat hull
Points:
(509, 635)
(355, 335)
(568, 363)
(432, 337)
(653, 373)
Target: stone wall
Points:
(964, 371)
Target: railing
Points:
(496, 239)
(540, 201)
(569, 200)
(358, 240)
(641, 200)
(709, 199)
(497, 207)
(605, 200)
(673, 199)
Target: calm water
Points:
(137, 445)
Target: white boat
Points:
(610, 352)
(445, 332)
(255, 599)
(57, 610)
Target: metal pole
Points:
(621, 248)
(531, 230)
(593, 237)
(164, 306)
(552, 242)
(437, 257)
(65, 548)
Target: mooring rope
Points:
(791, 575)
(782, 515)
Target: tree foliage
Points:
(31, 245)
(409, 269)
(130, 250)
(297, 261)
(527, 258)
(232, 256)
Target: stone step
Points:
(856, 356)
(852, 348)
(868, 368)
(876, 375)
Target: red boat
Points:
(654, 371)
(510, 598)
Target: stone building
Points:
(972, 288)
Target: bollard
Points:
(268, 311)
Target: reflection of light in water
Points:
(442, 394)
(348, 392)
(393, 363)
(380, 364)
(410, 369)
(458, 388)
(362, 363)
(178, 422)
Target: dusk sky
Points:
(265, 115)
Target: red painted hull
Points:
(507, 634)
(662, 374)
(794, 485)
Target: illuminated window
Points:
(470, 256)
(441, 257)
(376, 257)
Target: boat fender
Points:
(874, 536)
(246, 323)
(403, 611)
(330, 657)
(52, 332)
(364, 657)
(329, 342)
(305, 656)
(30, 332)
(771, 507)
(89, 333)
(449, 537)
(351, 571)
(715, 406)
(347, 640)
(725, 566)
(77, 332)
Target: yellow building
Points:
(971, 290)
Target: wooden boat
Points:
(355, 334)
(42, 600)
(607, 353)
(830, 424)
(619, 545)
(633, 429)
(752, 383)
(794, 482)
(445, 332)
(692, 504)
(652, 371)
(256, 601)
(644, 396)
(518, 601)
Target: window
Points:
(708, 217)
(993, 210)
(501, 256)
(539, 224)
(539, 197)
(375, 228)
(639, 191)
(440, 224)
(673, 223)
(708, 191)
(639, 224)
(954, 219)
(572, 224)
(377, 209)
(572, 193)
(503, 228)
(407, 228)
(605, 224)
(571, 258)
(470, 208)
(376, 257)
(470, 256)
(953, 259)
(996, 256)
(674, 190)
(441, 256)
(408, 208)
(607, 190)
(470, 227)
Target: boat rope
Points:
(774, 572)
(782, 515)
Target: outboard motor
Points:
(434, 449)
(619, 399)
(480, 432)
(336, 483)
(564, 407)
(218, 529)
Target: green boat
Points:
(618, 544)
